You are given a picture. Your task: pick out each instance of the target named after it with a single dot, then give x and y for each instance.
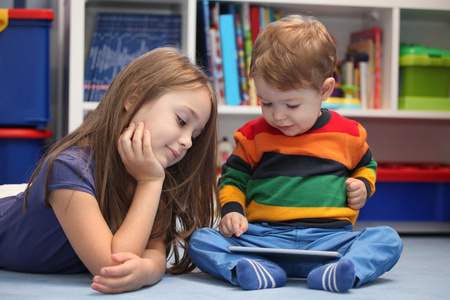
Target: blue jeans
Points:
(373, 251)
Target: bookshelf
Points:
(394, 135)
(82, 19)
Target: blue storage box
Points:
(20, 151)
(409, 193)
(409, 202)
(24, 67)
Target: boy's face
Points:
(292, 112)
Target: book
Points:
(248, 43)
(229, 58)
(373, 34)
(241, 59)
(217, 66)
(203, 42)
(120, 38)
(365, 48)
(255, 22)
(364, 77)
(216, 54)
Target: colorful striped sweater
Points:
(277, 178)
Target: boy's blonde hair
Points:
(294, 52)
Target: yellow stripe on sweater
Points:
(259, 212)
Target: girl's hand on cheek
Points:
(136, 152)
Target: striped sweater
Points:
(273, 177)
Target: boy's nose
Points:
(278, 114)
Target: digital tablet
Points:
(288, 255)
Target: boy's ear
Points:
(327, 88)
(130, 101)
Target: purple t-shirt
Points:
(33, 241)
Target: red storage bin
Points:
(410, 192)
(20, 151)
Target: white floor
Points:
(422, 272)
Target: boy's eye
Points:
(292, 106)
(181, 121)
(266, 104)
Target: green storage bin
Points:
(424, 78)
(424, 103)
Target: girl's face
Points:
(174, 120)
(292, 112)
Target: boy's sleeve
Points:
(366, 169)
(236, 173)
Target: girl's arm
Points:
(88, 233)
(133, 273)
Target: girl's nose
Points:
(186, 141)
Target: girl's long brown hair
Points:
(189, 196)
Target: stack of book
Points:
(225, 36)
(120, 38)
(226, 33)
(362, 67)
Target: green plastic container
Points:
(424, 78)
(424, 103)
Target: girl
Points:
(125, 189)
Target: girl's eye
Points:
(292, 106)
(181, 121)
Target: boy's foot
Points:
(255, 275)
(337, 277)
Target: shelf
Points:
(418, 228)
(355, 113)
(254, 111)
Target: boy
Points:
(298, 175)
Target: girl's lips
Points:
(173, 153)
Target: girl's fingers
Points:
(109, 285)
(124, 144)
(137, 138)
(147, 144)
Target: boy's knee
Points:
(392, 239)
(201, 236)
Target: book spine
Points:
(92, 59)
(246, 26)
(241, 59)
(375, 35)
(377, 74)
(255, 24)
(217, 70)
(229, 56)
(204, 51)
(364, 77)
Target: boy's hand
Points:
(356, 193)
(233, 223)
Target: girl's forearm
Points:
(157, 260)
(134, 233)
